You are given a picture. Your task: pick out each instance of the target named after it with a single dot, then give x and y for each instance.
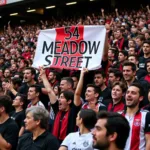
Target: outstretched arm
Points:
(48, 87)
(117, 14)
(106, 47)
(148, 9)
(103, 15)
(77, 95)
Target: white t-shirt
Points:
(77, 141)
(39, 103)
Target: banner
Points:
(13, 1)
(74, 47)
(2, 2)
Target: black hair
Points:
(100, 72)
(117, 73)
(23, 98)
(88, 117)
(16, 81)
(133, 55)
(37, 88)
(133, 66)
(147, 42)
(69, 95)
(124, 52)
(33, 72)
(96, 88)
(139, 86)
(6, 102)
(69, 80)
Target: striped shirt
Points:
(139, 126)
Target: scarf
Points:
(120, 43)
(147, 78)
(60, 125)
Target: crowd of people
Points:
(60, 109)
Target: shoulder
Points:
(11, 123)
(25, 136)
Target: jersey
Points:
(39, 103)
(99, 106)
(77, 141)
(139, 126)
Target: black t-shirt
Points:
(140, 73)
(9, 131)
(18, 117)
(105, 94)
(142, 61)
(23, 89)
(46, 141)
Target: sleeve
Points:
(11, 135)
(53, 144)
(66, 141)
(19, 143)
(102, 108)
(104, 64)
(147, 123)
(55, 107)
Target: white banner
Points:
(74, 47)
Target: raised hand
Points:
(102, 10)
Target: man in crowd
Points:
(139, 72)
(65, 108)
(146, 51)
(114, 75)
(52, 77)
(39, 138)
(91, 95)
(66, 84)
(19, 114)
(33, 96)
(139, 137)
(8, 127)
(100, 81)
(111, 131)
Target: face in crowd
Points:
(133, 97)
(128, 73)
(64, 103)
(90, 94)
(28, 76)
(99, 80)
(32, 94)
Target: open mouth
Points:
(129, 100)
(60, 103)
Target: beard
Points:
(101, 146)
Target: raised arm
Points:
(103, 15)
(106, 46)
(10, 87)
(77, 95)
(22, 30)
(90, 20)
(48, 87)
(9, 28)
(117, 14)
(148, 9)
